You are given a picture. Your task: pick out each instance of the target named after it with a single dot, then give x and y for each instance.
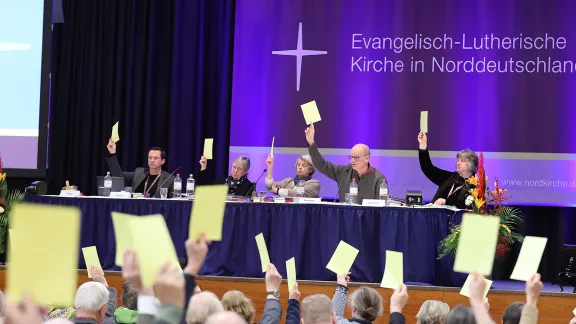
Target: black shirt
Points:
(151, 188)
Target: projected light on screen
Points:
(21, 47)
(385, 62)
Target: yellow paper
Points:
(574, 311)
(10, 238)
(272, 147)
(343, 258)
(424, 121)
(153, 245)
(208, 212)
(311, 113)
(122, 234)
(115, 136)
(291, 273)
(477, 245)
(44, 260)
(465, 291)
(394, 271)
(263, 251)
(208, 143)
(529, 258)
(91, 258)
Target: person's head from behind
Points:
(460, 315)
(432, 312)
(466, 163)
(91, 299)
(359, 157)
(58, 321)
(129, 296)
(226, 317)
(237, 302)
(156, 158)
(366, 304)
(304, 166)
(512, 313)
(318, 309)
(201, 306)
(240, 166)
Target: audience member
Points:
(460, 315)
(512, 313)
(202, 305)
(128, 313)
(432, 312)
(94, 303)
(237, 302)
(318, 309)
(226, 317)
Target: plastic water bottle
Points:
(190, 183)
(354, 191)
(384, 192)
(300, 189)
(177, 186)
(108, 180)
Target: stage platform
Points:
(555, 307)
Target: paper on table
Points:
(208, 212)
(91, 259)
(343, 258)
(311, 113)
(45, 263)
(394, 271)
(263, 251)
(291, 273)
(529, 258)
(272, 147)
(153, 245)
(115, 136)
(465, 291)
(424, 121)
(208, 143)
(122, 234)
(477, 245)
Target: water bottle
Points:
(384, 192)
(300, 189)
(190, 186)
(353, 191)
(108, 181)
(177, 186)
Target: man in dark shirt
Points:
(143, 180)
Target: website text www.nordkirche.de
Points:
(479, 60)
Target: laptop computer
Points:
(117, 185)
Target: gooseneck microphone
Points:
(171, 174)
(253, 186)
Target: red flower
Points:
(481, 179)
(502, 247)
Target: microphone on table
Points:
(171, 174)
(340, 182)
(254, 184)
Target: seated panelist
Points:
(142, 180)
(368, 178)
(287, 187)
(452, 186)
(237, 181)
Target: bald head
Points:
(359, 157)
(226, 317)
(360, 149)
(202, 305)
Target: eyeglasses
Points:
(237, 168)
(355, 157)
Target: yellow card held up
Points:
(153, 245)
(45, 263)
(208, 144)
(10, 238)
(272, 147)
(394, 271)
(311, 113)
(465, 291)
(91, 259)
(115, 136)
(477, 245)
(424, 121)
(343, 258)
(291, 273)
(263, 251)
(574, 311)
(208, 212)
(529, 258)
(122, 233)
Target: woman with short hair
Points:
(237, 181)
(287, 187)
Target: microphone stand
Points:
(171, 174)
(253, 186)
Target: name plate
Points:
(279, 200)
(69, 193)
(121, 194)
(309, 200)
(374, 202)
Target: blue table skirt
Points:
(310, 233)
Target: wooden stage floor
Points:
(554, 307)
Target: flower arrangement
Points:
(484, 201)
(7, 200)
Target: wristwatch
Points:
(274, 293)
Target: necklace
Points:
(151, 185)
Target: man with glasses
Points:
(368, 178)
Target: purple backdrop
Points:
(507, 115)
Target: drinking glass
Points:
(163, 193)
(262, 196)
(348, 197)
(128, 189)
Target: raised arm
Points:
(329, 169)
(114, 165)
(433, 173)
